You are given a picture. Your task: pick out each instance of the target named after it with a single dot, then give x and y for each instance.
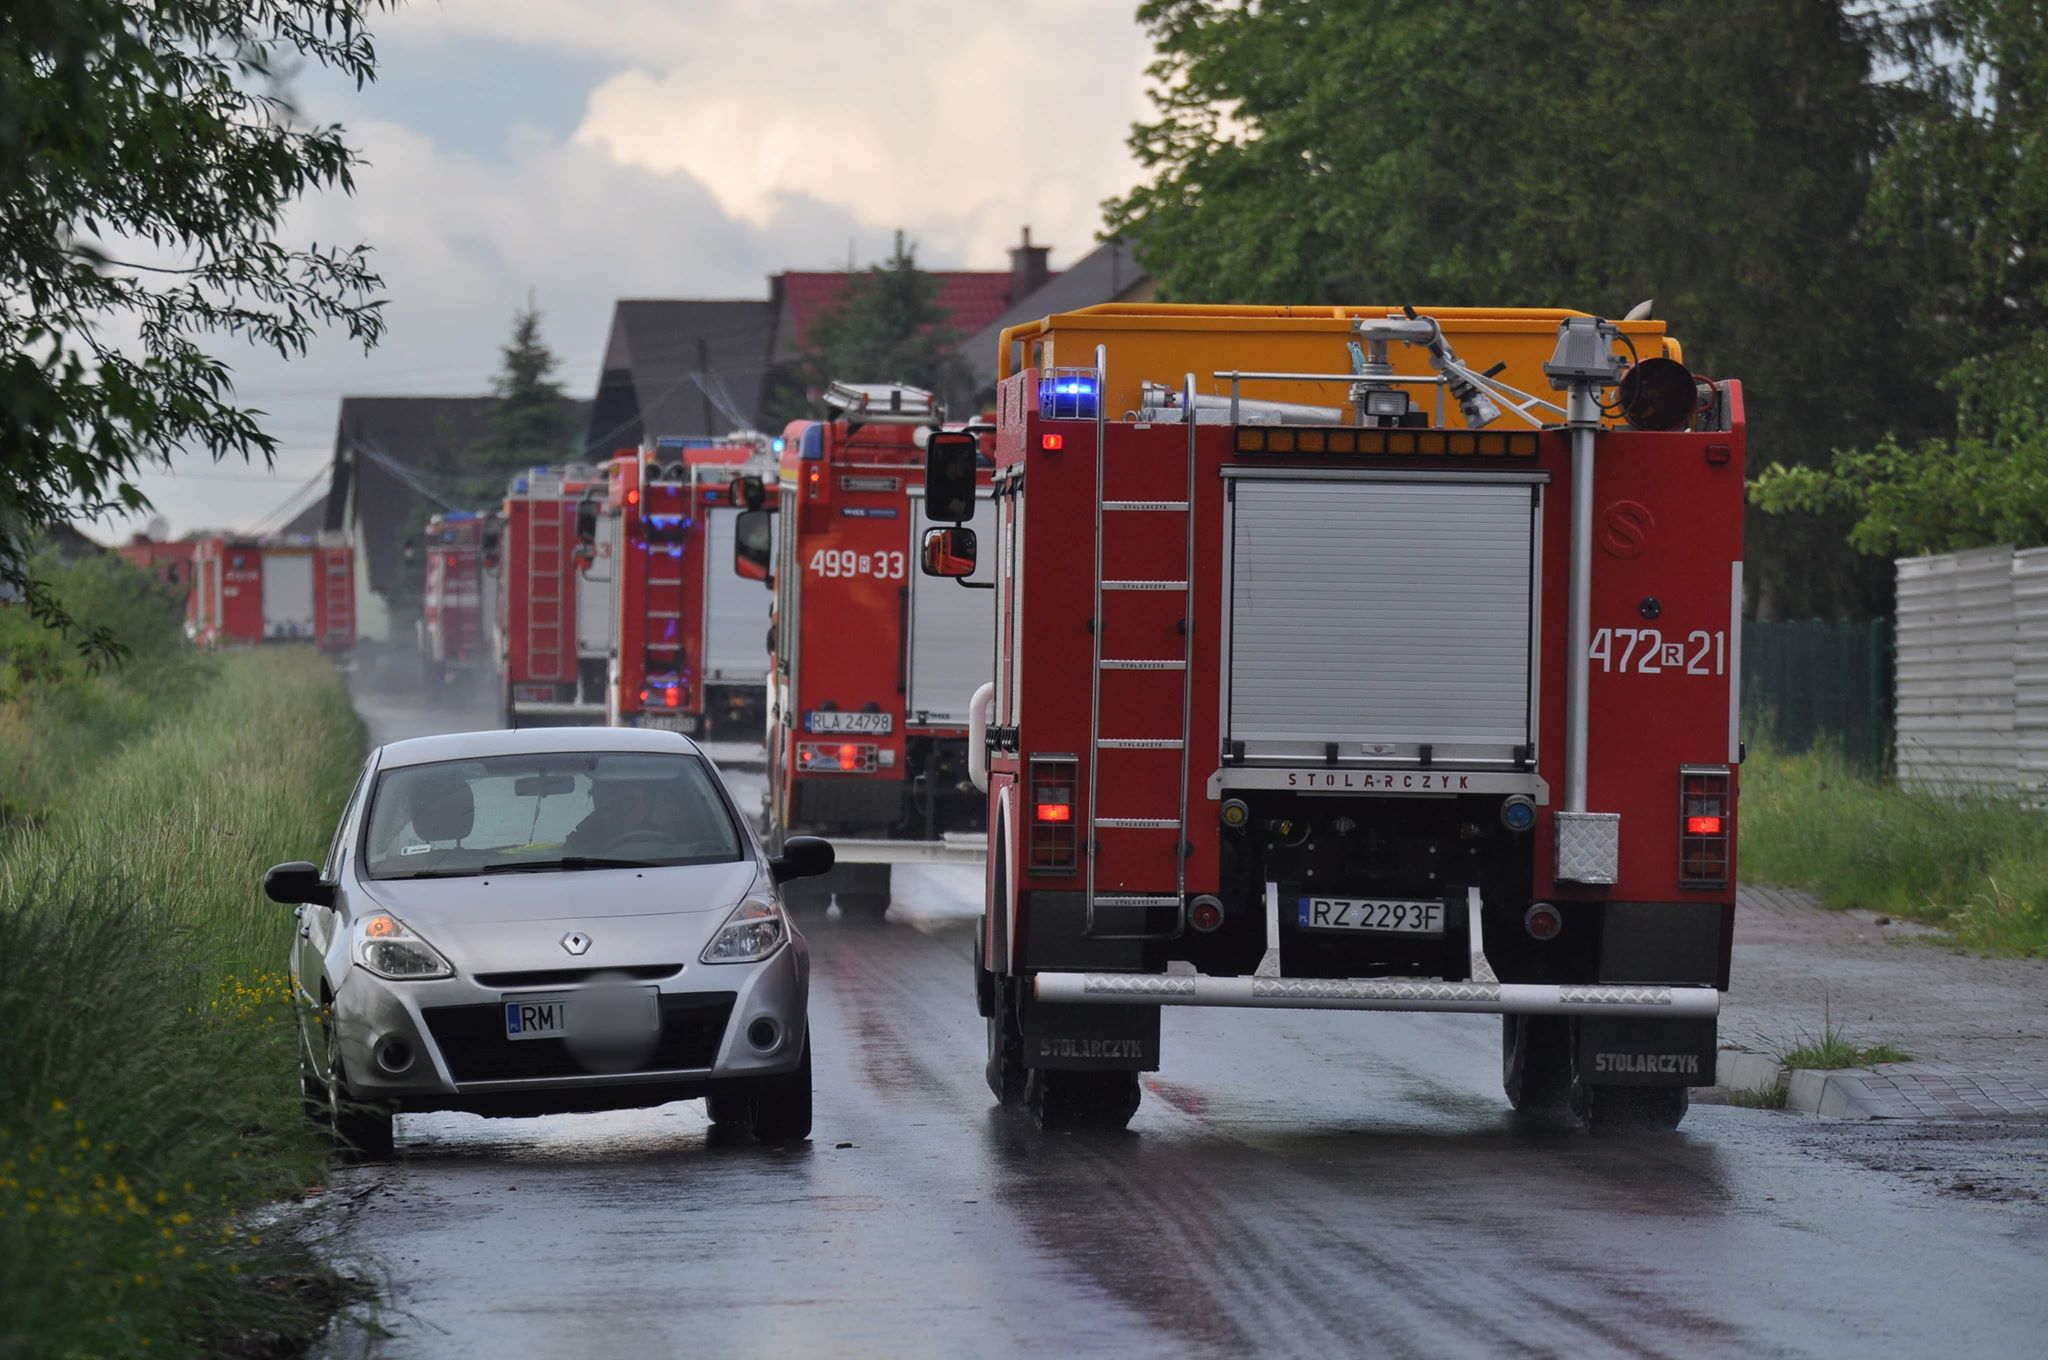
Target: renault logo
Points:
(576, 942)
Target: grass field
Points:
(148, 1107)
(1976, 867)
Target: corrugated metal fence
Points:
(1973, 671)
(1813, 680)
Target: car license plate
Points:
(598, 1014)
(537, 1019)
(864, 724)
(685, 723)
(1374, 915)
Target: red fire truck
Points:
(1404, 683)
(871, 663)
(689, 653)
(281, 589)
(554, 615)
(454, 600)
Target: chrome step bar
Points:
(1377, 994)
(1481, 994)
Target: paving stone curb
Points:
(1904, 1091)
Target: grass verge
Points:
(149, 1107)
(1975, 866)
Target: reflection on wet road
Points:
(1302, 1184)
(1295, 1184)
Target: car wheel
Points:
(362, 1133)
(730, 1109)
(782, 1105)
(1005, 1071)
(1536, 1063)
(1098, 1101)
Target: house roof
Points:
(971, 298)
(392, 454)
(1108, 273)
(679, 367)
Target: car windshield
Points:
(547, 811)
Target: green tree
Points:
(886, 326)
(150, 156)
(1963, 193)
(530, 420)
(1559, 153)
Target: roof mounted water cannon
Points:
(1475, 392)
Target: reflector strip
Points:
(1377, 443)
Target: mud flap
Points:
(1646, 1052)
(1090, 1038)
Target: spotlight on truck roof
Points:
(1658, 394)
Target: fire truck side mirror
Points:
(949, 552)
(949, 461)
(586, 520)
(748, 493)
(753, 545)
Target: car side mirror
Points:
(802, 857)
(298, 882)
(753, 545)
(950, 460)
(949, 552)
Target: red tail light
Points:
(1706, 825)
(1054, 841)
(818, 757)
(672, 696)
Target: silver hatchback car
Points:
(550, 920)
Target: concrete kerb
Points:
(1839, 1094)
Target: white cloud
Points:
(733, 140)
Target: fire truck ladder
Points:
(1101, 746)
(663, 633)
(339, 619)
(546, 544)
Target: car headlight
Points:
(755, 930)
(388, 948)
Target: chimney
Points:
(1028, 272)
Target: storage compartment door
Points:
(1382, 616)
(287, 594)
(952, 628)
(735, 609)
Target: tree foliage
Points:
(1557, 153)
(150, 156)
(530, 420)
(1963, 192)
(887, 326)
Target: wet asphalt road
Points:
(1295, 1184)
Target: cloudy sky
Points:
(594, 149)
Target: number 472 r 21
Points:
(1643, 651)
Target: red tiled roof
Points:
(971, 297)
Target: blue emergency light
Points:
(1067, 396)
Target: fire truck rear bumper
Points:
(968, 847)
(1379, 994)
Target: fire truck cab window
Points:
(509, 814)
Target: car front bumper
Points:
(451, 1033)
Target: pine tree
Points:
(886, 326)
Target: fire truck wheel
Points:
(806, 896)
(1630, 1109)
(864, 906)
(782, 1105)
(1005, 1071)
(1536, 1063)
(1081, 1100)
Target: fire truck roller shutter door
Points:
(735, 609)
(952, 628)
(1381, 613)
(287, 594)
